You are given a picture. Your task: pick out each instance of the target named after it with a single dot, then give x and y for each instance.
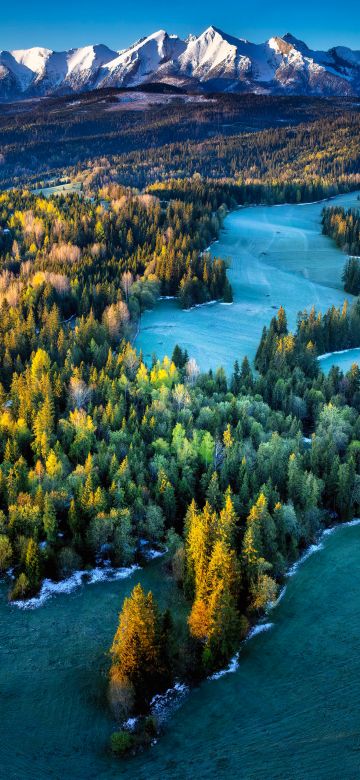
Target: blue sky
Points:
(60, 25)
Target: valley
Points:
(179, 409)
(277, 257)
(60, 645)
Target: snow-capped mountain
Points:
(42, 71)
(211, 61)
(139, 63)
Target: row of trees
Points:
(351, 276)
(343, 225)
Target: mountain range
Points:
(213, 61)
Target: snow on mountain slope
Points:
(41, 71)
(216, 55)
(142, 60)
(311, 72)
(213, 60)
(84, 65)
(34, 60)
(16, 64)
(211, 53)
(280, 64)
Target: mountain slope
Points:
(141, 61)
(213, 60)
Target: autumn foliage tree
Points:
(213, 574)
(138, 654)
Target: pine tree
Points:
(32, 565)
(49, 519)
(213, 493)
(281, 322)
(226, 525)
(246, 377)
(252, 542)
(43, 427)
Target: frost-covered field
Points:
(344, 359)
(139, 101)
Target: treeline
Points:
(337, 329)
(343, 225)
(233, 194)
(351, 275)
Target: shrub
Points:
(21, 588)
(121, 742)
(69, 561)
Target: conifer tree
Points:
(137, 653)
(49, 519)
(32, 565)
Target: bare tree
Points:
(131, 361)
(59, 282)
(115, 317)
(61, 253)
(192, 371)
(79, 392)
(127, 282)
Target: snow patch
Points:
(310, 551)
(151, 553)
(319, 546)
(337, 352)
(259, 629)
(199, 305)
(130, 724)
(281, 595)
(163, 704)
(329, 531)
(355, 521)
(232, 667)
(333, 528)
(50, 588)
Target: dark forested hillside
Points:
(327, 150)
(203, 135)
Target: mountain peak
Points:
(212, 31)
(295, 42)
